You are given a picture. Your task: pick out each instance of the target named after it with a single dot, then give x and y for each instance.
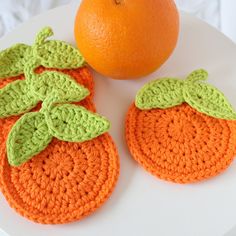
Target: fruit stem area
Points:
(118, 2)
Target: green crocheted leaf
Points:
(58, 54)
(28, 137)
(58, 83)
(75, 124)
(55, 53)
(15, 99)
(208, 100)
(163, 93)
(12, 60)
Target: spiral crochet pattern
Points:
(180, 144)
(66, 181)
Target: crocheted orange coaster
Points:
(57, 164)
(174, 131)
(64, 183)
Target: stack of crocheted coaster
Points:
(182, 131)
(57, 162)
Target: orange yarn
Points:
(66, 181)
(180, 144)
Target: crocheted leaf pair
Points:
(33, 131)
(170, 92)
(50, 53)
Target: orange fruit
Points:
(180, 144)
(126, 39)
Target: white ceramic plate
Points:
(142, 204)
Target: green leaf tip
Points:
(168, 92)
(43, 34)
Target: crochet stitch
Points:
(175, 141)
(65, 181)
(44, 84)
(163, 93)
(28, 137)
(12, 60)
(15, 99)
(74, 123)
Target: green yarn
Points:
(12, 60)
(21, 96)
(197, 75)
(28, 137)
(16, 98)
(74, 123)
(55, 53)
(68, 89)
(169, 92)
(49, 53)
(207, 99)
(29, 69)
(42, 35)
(164, 93)
(32, 133)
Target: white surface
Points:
(142, 204)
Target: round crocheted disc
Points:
(180, 144)
(67, 180)
(64, 183)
